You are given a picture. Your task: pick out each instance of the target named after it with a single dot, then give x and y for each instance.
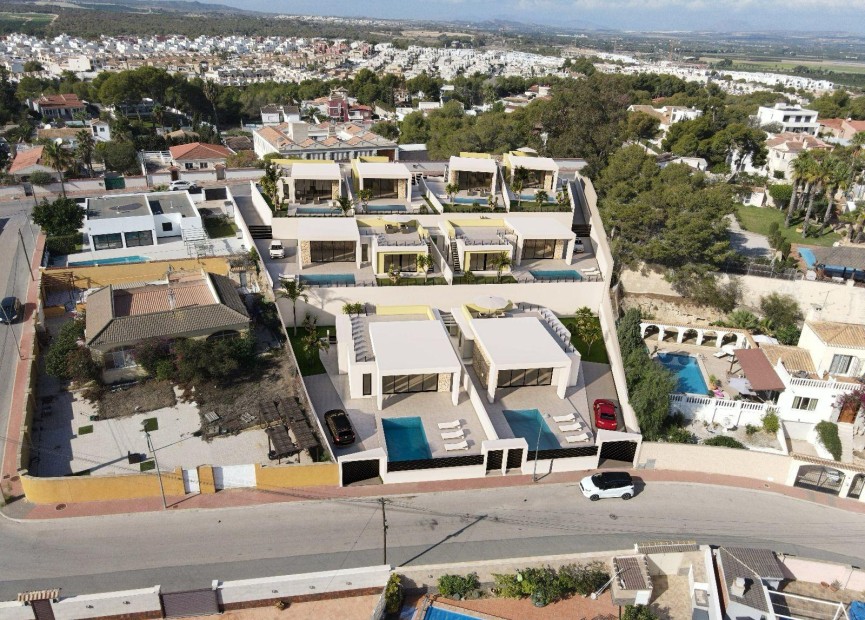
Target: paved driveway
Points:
(751, 245)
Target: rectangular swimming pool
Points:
(568, 275)
(385, 208)
(119, 260)
(405, 439)
(808, 256)
(324, 279)
(689, 377)
(437, 613)
(318, 210)
(526, 423)
(464, 200)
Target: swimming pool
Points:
(689, 378)
(481, 200)
(808, 256)
(324, 279)
(526, 422)
(387, 208)
(556, 274)
(531, 197)
(405, 439)
(318, 210)
(437, 613)
(119, 260)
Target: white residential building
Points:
(792, 118)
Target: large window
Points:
(840, 364)
(474, 180)
(367, 384)
(804, 404)
(120, 358)
(525, 376)
(403, 384)
(306, 190)
(107, 242)
(539, 248)
(381, 188)
(138, 238)
(483, 261)
(403, 262)
(332, 251)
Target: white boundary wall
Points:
(108, 604)
(716, 460)
(241, 591)
(815, 571)
(261, 207)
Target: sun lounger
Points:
(720, 354)
(590, 270)
(463, 445)
(564, 418)
(453, 435)
(577, 438)
(571, 427)
(449, 425)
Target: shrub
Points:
(41, 178)
(457, 586)
(511, 586)
(582, 579)
(677, 434)
(638, 612)
(724, 442)
(149, 353)
(771, 423)
(66, 341)
(750, 429)
(81, 367)
(63, 244)
(827, 433)
(60, 217)
(393, 594)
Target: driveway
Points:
(751, 245)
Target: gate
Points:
(190, 481)
(115, 183)
(855, 491)
(189, 603)
(515, 458)
(42, 609)
(819, 478)
(494, 459)
(619, 451)
(233, 477)
(356, 471)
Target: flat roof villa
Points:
(534, 172)
(311, 183)
(328, 240)
(475, 174)
(388, 182)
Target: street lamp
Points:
(156, 462)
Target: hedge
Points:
(828, 434)
(63, 244)
(724, 442)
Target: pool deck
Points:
(706, 360)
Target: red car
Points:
(605, 415)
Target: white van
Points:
(276, 249)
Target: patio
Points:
(723, 369)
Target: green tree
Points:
(588, 327)
(424, 262)
(58, 158)
(781, 309)
(541, 198)
(58, 218)
(386, 129)
(501, 262)
(642, 126)
(33, 66)
(414, 129)
(781, 194)
(85, 148)
(293, 290)
(118, 156)
(638, 612)
(345, 204)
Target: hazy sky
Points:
(837, 15)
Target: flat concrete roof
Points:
(172, 202)
(518, 342)
(117, 206)
(534, 163)
(382, 170)
(540, 228)
(412, 348)
(473, 164)
(328, 229)
(319, 172)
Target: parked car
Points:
(340, 427)
(605, 415)
(608, 484)
(180, 185)
(276, 249)
(10, 310)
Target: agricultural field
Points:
(24, 22)
(780, 65)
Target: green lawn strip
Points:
(412, 281)
(147, 465)
(151, 424)
(486, 280)
(307, 364)
(599, 351)
(85, 430)
(759, 219)
(218, 227)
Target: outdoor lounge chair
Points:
(449, 425)
(720, 354)
(571, 427)
(590, 270)
(564, 418)
(453, 434)
(578, 438)
(463, 445)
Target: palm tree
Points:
(211, 93)
(518, 190)
(541, 198)
(424, 262)
(492, 202)
(501, 262)
(451, 189)
(839, 176)
(59, 159)
(85, 148)
(801, 167)
(365, 195)
(345, 203)
(818, 177)
(293, 290)
(158, 115)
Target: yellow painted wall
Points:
(380, 263)
(393, 310)
(471, 155)
(90, 277)
(467, 259)
(205, 479)
(287, 476)
(69, 489)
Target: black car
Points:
(340, 427)
(10, 310)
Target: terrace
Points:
(312, 188)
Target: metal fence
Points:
(761, 270)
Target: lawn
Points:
(218, 227)
(599, 351)
(147, 466)
(759, 219)
(85, 430)
(506, 279)
(307, 364)
(151, 424)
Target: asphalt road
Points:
(188, 549)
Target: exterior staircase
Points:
(455, 258)
(845, 434)
(429, 245)
(261, 232)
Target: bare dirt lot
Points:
(138, 398)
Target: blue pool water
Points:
(120, 260)
(318, 210)
(387, 208)
(556, 274)
(531, 197)
(481, 200)
(437, 613)
(328, 278)
(525, 423)
(405, 438)
(688, 376)
(808, 256)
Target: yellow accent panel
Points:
(471, 155)
(381, 254)
(394, 310)
(298, 160)
(92, 277)
(287, 476)
(205, 479)
(70, 489)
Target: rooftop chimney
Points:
(737, 588)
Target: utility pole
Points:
(383, 503)
(158, 472)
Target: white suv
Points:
(276, 249)
(608, 484)
(181, 185)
